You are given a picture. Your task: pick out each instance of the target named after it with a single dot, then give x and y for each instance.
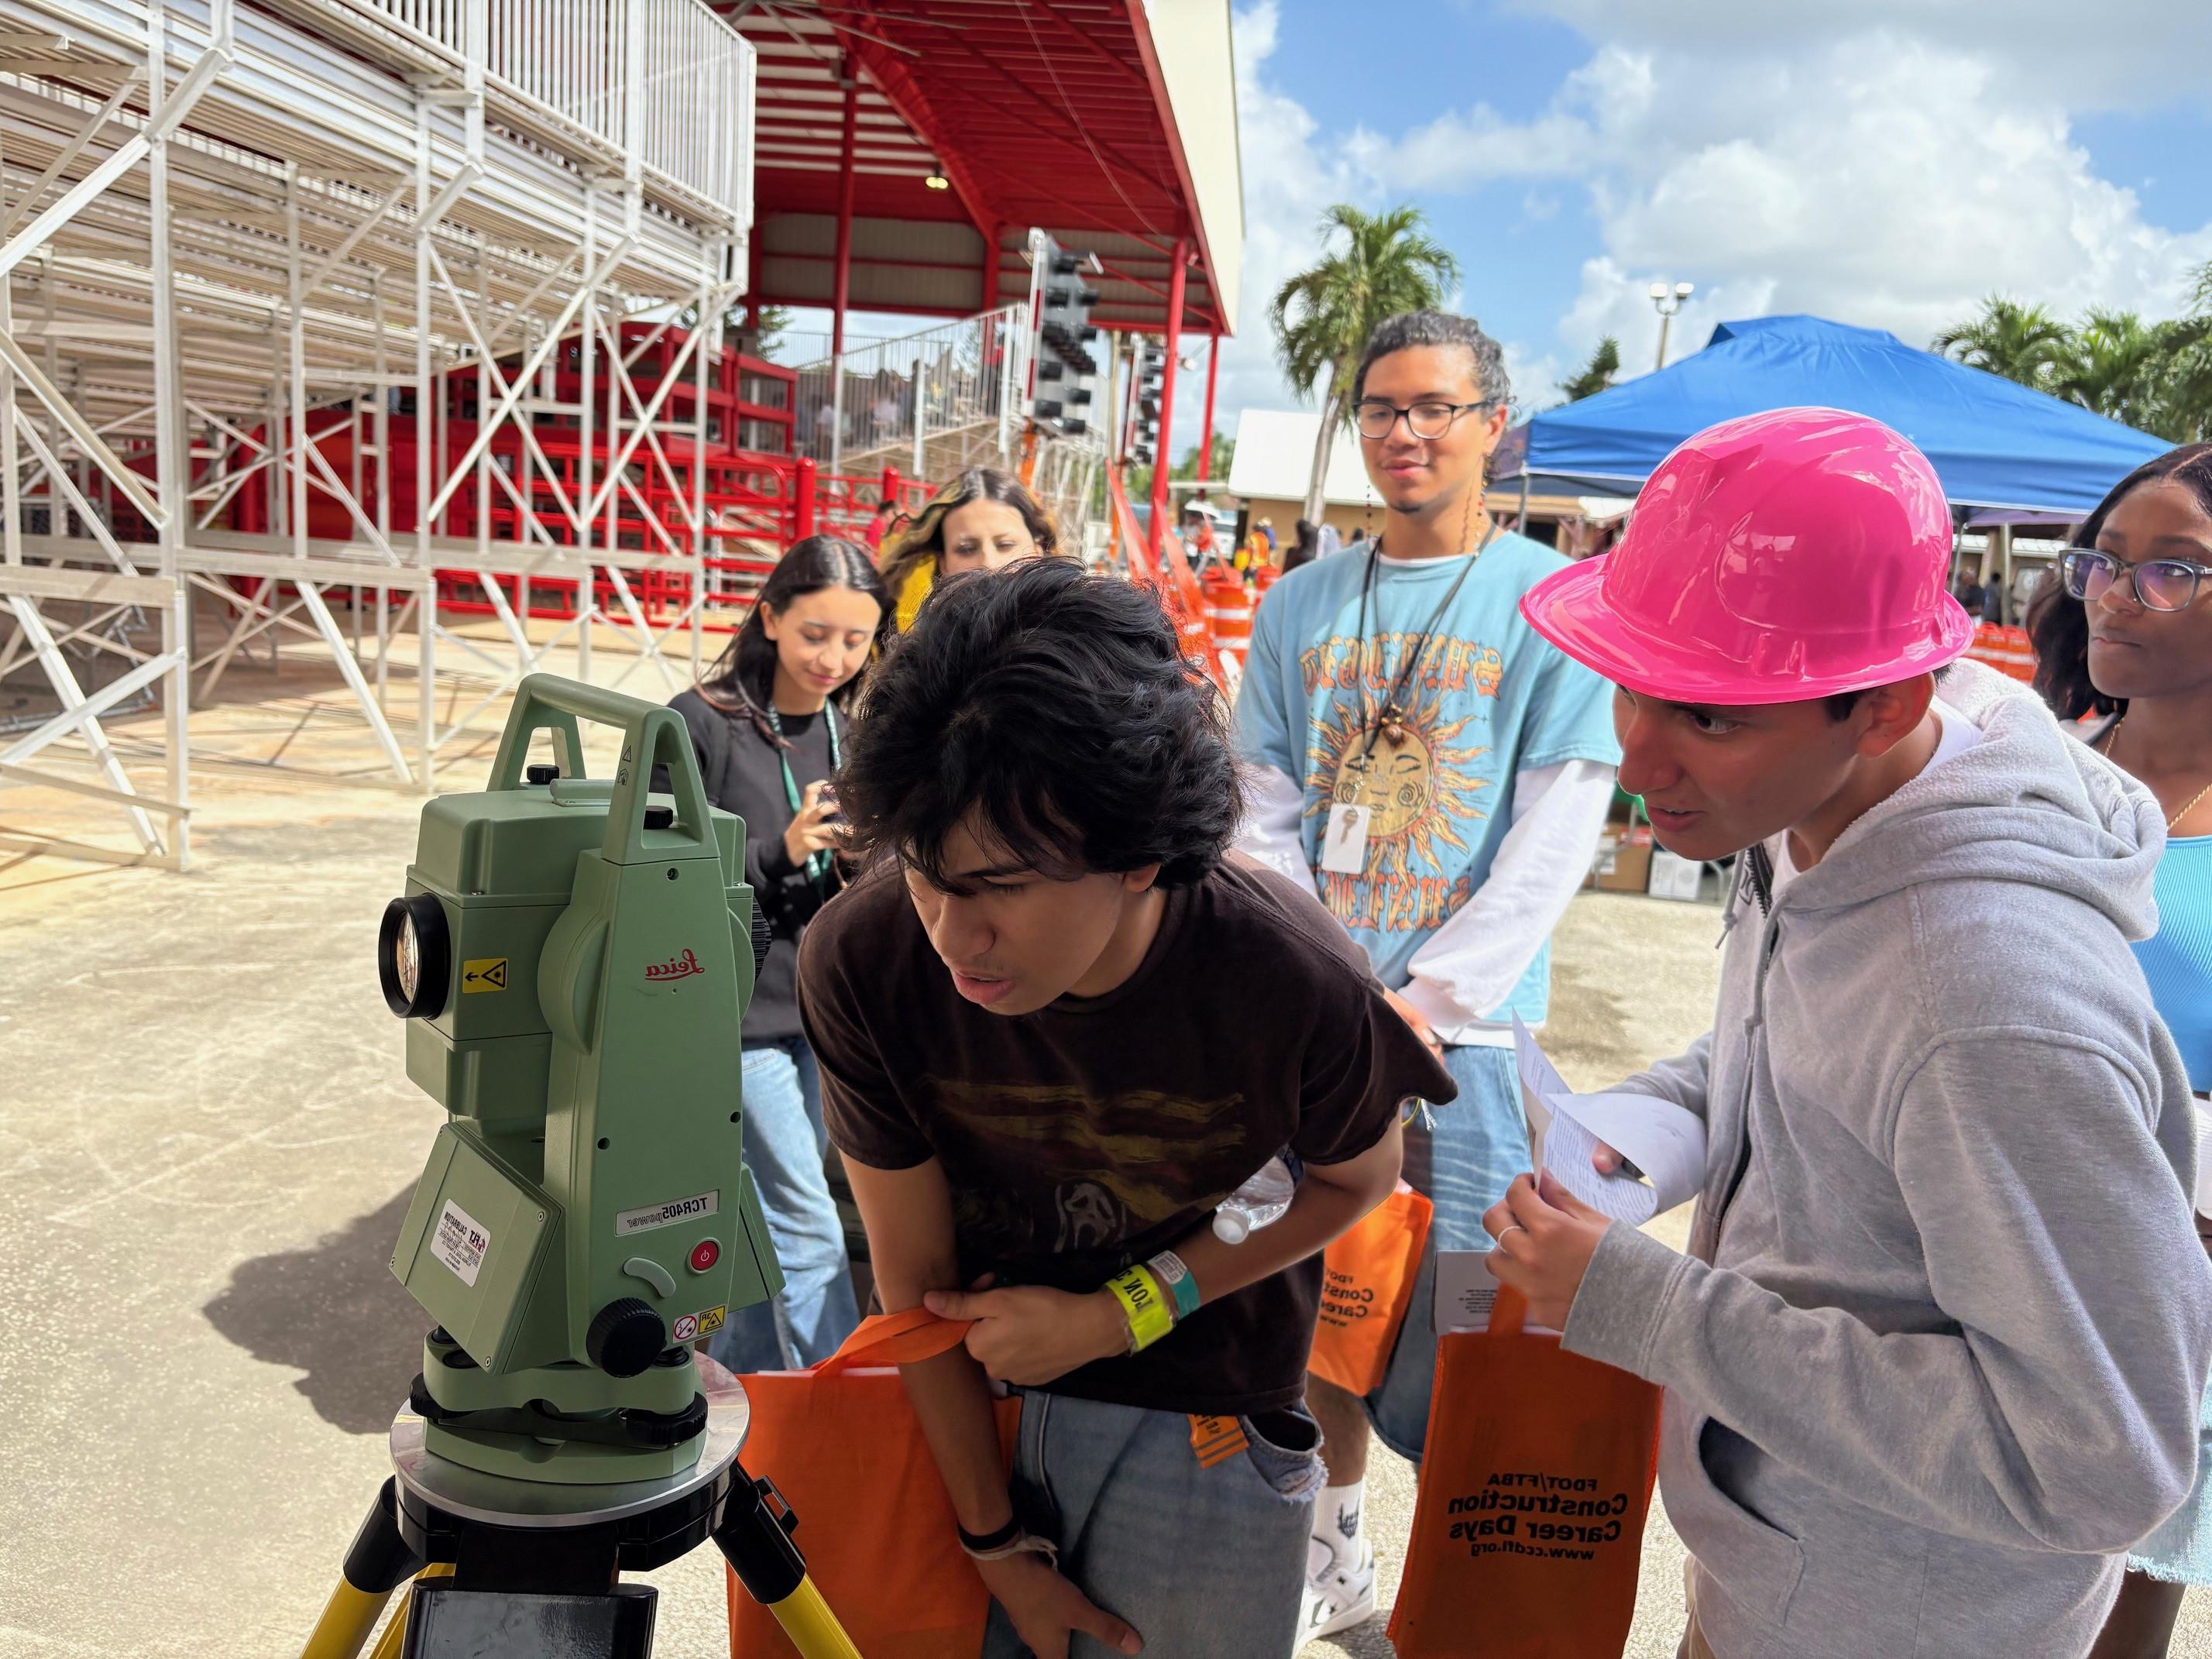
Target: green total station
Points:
(573, 956)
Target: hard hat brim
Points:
(1568, 608)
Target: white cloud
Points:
(1888, 163)
(1290, 176)
(1885, 178)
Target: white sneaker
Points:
(1339, 1592)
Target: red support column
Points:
(803, 477)
(1155, 538)
(1205, 428)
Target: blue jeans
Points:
(1202, 1563)
(784, 1142)
(1463, 1163)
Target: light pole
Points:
(1668, 300)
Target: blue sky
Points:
(1884, 162)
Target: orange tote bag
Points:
(1367, 1284)
(1530, 1522)
(843, 1446)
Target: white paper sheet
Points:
(1663, 1140)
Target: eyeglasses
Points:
(2157, 583)
(1425, 421)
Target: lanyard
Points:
(818, 863)
(1393, 716)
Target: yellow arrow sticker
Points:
(485, 973)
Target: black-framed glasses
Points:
(1424, 419)
(2157, 584)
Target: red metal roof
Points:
(1050, 113)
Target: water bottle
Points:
(1258, 1202)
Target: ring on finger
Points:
(1516, 1227)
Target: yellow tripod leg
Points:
(348, 1618)
(812, 1628)
(351, 1613)
(395, 1633)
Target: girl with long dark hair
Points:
(2122, 634)
(769, 722)
(982, 521)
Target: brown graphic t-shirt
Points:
(1098, 1131)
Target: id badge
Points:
(1344, 842)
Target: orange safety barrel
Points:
(2005, 649)
(1263, 579)
(1228, 614)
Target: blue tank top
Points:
(2178, 959)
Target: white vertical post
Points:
(921, 469)
(428, 433)
(587, 351)
(172, 469)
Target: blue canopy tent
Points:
(1995, 444)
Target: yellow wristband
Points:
(1145, 1305)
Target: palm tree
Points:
(2018, 342)
(2112, 363)
(1385, 263)
(1597, 374)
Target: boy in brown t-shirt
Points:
(1057, 1028)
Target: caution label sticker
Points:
(459, 1241)
(690, 1327)
(484, 974)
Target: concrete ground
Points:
(206, 1146)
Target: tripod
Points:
(504, 1566)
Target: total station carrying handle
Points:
(651, 736)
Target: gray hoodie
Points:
(1936, 1359)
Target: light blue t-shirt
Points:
(2177, 960)
(1490, 698)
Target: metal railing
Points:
(665, 80)
(900, 394)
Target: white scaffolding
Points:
(234, 242)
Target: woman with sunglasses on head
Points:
(2122, 634)
(982, 521)
(769, 722)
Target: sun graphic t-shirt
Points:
(1490, 699)
(1098, 1131)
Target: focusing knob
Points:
(540, 772)
(763, 934)
(625, 1337)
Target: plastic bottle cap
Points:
(1230, 1227)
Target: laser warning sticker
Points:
(690, 1327)
(664, 1215)
(459, 1241)
(484, 974)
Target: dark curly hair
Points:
(2058, 623)
(1409, 328)
(1058, 707)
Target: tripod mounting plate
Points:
(507, 1501)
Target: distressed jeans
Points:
(1199, 1561)
(1463, 1163)
(784, 1141)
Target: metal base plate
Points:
(504, 1501)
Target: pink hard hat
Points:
(1770, 559)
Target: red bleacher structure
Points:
(760, 496)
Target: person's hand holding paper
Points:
(1595, 1145)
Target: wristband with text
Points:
(1170, 1269)
(1145, 1305)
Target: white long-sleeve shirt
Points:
(1471, 963)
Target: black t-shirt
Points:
(1095, 1132)
(753, 787)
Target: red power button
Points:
(704, 1254)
